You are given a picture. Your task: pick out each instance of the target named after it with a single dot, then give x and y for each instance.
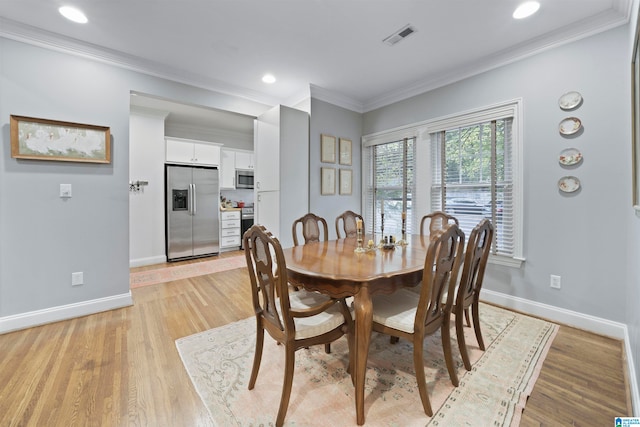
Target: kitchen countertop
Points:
(230, 209)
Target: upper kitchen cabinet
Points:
(228, 169)
(230, 161)
(187, 151)
(244, 160)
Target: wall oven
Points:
(244, 178)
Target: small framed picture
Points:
(345, 181)
(327, 148)
(345, 151)
(328, 181)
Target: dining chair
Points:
(311, 228)
(349, 225)
(468, 293)
(413, 316)
(437, 220)
(294, 319)
(312, 225)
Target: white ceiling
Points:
(333, 46)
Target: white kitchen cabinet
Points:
(230, 230)
(267, 147)
(268, 211)
(244, 160)
(192, 152)
(281, 170)
(228, 169)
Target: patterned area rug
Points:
(168, 274)
(493, 393)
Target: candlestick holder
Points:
(382, 228)
(359, 249)
(403, 241)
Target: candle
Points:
(382, 207)
(359, 224)
(404, 215)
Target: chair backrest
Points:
(349, 226)
(437, 221)
(311, 225)
(441, 267)
(268, 279)
(475, 262)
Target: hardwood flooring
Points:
(121, 367)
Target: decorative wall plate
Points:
(570, 156)
(568, 184)
(570, 100)
(570, 125)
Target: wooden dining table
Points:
(335, 269)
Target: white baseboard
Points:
(579, 320)
(147, 261)
(633, 384)
(63, 312)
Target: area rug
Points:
(493, 393)
(168, 274)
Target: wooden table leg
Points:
(364, 317)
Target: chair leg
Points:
(393, 340)
(290, 357)
(466, 316)
(418, 364)
(257, 357)
(446, 346)
(462, 345)
(327, 348)
(476, 324)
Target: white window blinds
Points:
(473, 177)
(389, 186)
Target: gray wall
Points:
(342, 123)
(572, 236)
(45, 238)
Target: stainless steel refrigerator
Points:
(192, 211)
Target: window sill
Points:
(506, 261)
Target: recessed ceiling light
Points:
(526, 9)
(268, 78)
(73, 14)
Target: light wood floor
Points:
(121, 368)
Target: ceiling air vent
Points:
(401, 34)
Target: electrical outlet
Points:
(555, 282)
(77, 278)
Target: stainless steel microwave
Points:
(244, 178)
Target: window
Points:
(476, 173)
(389, 185)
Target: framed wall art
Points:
(346, 176)
(345, 151)
(327, 148)
(327, 181)
(43, 139)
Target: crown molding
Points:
(610, 19)
(618, 15)
(38, 37)
(336, 99)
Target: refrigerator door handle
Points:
(190, 199)
(193, 209)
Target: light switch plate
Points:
(65, 190)
(77, 278)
